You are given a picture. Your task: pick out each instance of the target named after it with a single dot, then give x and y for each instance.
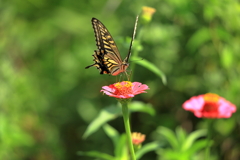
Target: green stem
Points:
(128, 130)
(209, 126)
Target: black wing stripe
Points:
(107, 39)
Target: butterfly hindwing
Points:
(98, 59)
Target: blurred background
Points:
(48, 98)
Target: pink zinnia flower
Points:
(138, 138)
(124, 89)
(210, 106)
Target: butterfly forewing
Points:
(104, 40)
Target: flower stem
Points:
(128, 130)
(207, 151)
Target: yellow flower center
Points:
(211, 98)
(123, 88)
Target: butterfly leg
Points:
(128, 76)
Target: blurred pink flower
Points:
(138, 138)
(124, 89)
(209, 105)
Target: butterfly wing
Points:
(105, 41)
(98, 59)
(107, 57)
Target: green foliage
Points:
(227, 124)
(48, 99)
(149, 147)
(151, 67)
(120, 148)
(112, 112)
(182, 146)
(96, 154)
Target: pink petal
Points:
(117, 96)
(109, 88)
(198, 114)
(106, 92)
(144, 87)
(122, 96)
(194, 104)
(135, 93)
(226, 108)
(130, 95)
(136, 83)
(139, 88)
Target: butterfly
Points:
(107, 58)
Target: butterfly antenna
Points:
(133, 36)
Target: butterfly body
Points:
(107, 58)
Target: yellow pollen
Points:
(211, 97)
(123, 88)
(127, 84)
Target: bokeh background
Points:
(47, 98)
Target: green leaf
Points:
(112, 112)
(169, 135)
(147, 148)
(96, 154)
(119, 141)
(223, 34)
(181, 135)
(227, 57)
(105, 115)
(169, 154)
(137, 106)
(197, 146)
(200, 37)
(150, 66)
(112, 133)
(192, 138)
(121, 151)
(227, 124)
